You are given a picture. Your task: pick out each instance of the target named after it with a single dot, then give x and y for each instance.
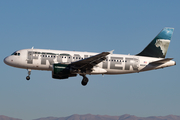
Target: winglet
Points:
(111, 52)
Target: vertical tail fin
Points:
(159, 45)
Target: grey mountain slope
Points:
(2, 117)
(101, 117)
(106, 117)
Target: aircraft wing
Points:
(161, 61)
(90, 62)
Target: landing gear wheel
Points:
(27, 78)
(29, 73)
(84, 81)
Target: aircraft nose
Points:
(7, 60)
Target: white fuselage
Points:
(42, 59)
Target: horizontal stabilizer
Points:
(161, 61)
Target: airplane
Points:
(65, 64)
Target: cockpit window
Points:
(15, 53)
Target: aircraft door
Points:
(30, 57)
(135, 63)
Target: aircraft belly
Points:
(120, 71)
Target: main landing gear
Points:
(29, 73)
(84, 80)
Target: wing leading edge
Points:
(90, 62)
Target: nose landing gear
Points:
(29, 73)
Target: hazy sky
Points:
(95, 26)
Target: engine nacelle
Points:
(61, 71)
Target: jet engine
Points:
(62, 71)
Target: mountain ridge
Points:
(100, 117)
(3, 117)
(107, 117)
